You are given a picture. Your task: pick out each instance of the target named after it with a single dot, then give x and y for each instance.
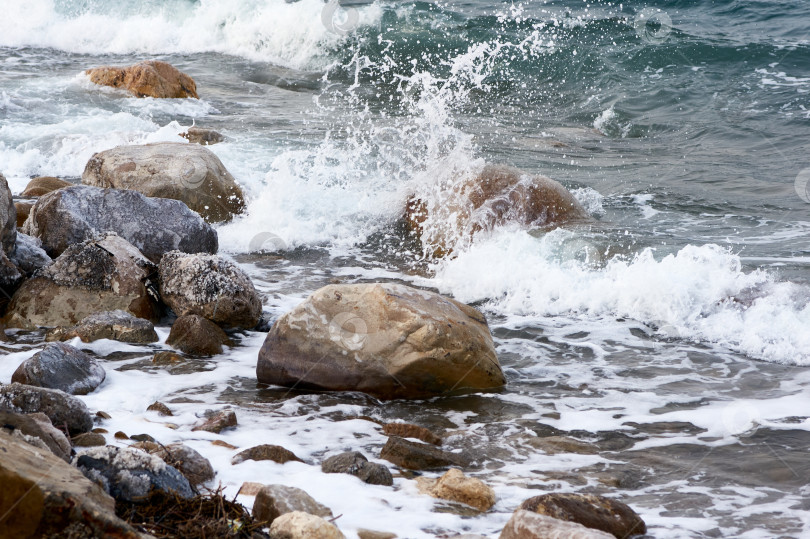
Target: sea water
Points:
(668, 336)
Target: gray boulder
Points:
(154, 225)
(130, 475)
(211, 287)
(61, 366)
(102, 275)
(8, 218)
(114, 325)
(187, 172)
(65, 411)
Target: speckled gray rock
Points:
(130, 475)
(186, 172)
(114, 325)
(64, 411)
(38, 426)
(29, 255)
(154, 225)
(355, 463)
(94, 276)
(211, 287)
(61, 366)
(272, 501)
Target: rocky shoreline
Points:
(134, 246)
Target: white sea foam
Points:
(292, 34)
(700, 291)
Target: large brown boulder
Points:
(187, 172)
(43, 185)
(197, 336)
(528, 525)
(497, 195)
(43, 496)
(102, 275)
(151, 78)
(387, 340)
(154, 225)
(597, 512)
(211, 287)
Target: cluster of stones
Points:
(108, 258)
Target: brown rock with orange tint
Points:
(151, 78)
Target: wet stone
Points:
(276, 453)
(66, 412)
(160, 408)
(89, 439)
(272, 501)
(61, 366)
(142, 438)
(418, 456)
(217, 422)
(355, 463)
(406, 430)
(598, 512)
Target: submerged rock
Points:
(417, 456)
(406, 430)
(528, 525)
(211, 287)
(355, 463)
(598, 512)
(66, 412)
(495, 196)
(151, 78)
(387, 340)
(202, 135)
(300, 525)
(115, 325)
(197, 336)
(457, 487)
(276, 453)
(39, 427)
(130, 475)
(153, 225)
(61, 366)
(186, 172)
(43, 496)
(42, 185)
(103, 275)
(272, 501)
(217, 422)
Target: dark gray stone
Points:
(64, 411)
(355, 463)
(61, 366)
(154, 225)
